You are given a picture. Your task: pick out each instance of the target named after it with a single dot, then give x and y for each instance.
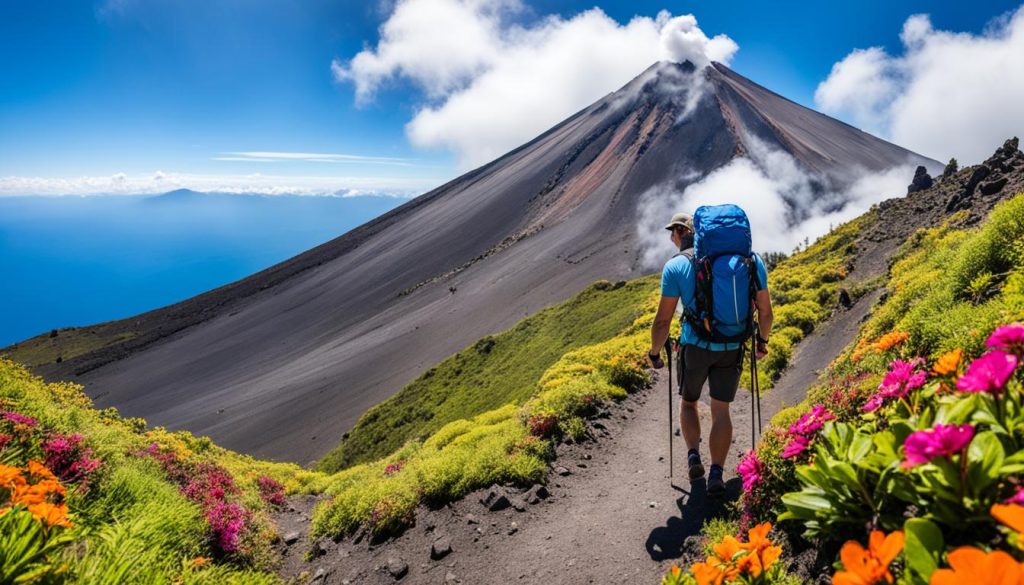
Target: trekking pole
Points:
(755, 394)
(668, 360)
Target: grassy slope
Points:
(131, 522)
(495, 370)
(68, 343)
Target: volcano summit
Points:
(280, 364)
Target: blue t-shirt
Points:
(677, 280)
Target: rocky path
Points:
(611, 515)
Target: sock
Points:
(693, 456)
(716, 469)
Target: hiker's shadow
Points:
(695, 508)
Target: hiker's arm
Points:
(763, 302)
(662, 323)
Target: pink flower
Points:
(18, 418)
(902, 378)
(69, 459)
(873, 403)
(811, 422)
(1008, 338)
(750, 470)
(797, 445)
(226, 524)
(941, 441)
(1017, 498)
(989, 373)
(271, 490)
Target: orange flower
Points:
(891, 340)
(869, 566)
(712, 572)
(52, 514)
(762, 551)
(200, 561)
(40, 471)
(972, 565)
(1011, 515)
(10, 476)
(948, 363)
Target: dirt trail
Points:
(616, 518)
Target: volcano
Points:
(282, 363)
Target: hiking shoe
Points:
(696, 467)
(716, 485)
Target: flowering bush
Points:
(271, 491)
(69, 459)
(212, 487)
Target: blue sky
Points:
(136, 87)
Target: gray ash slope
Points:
(283, 362)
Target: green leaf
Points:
(922, 548)
(806, 502)
(985, 456)
(1012, 465)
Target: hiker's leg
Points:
(695, 374)
(689, 422)
(723, 379)
(721, 432)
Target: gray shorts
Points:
(720, 369)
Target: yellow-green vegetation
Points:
(495, 370)
(949, 286)
(511, 444)
(132, 517)
(804, 289)
(64, 344)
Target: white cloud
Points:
(492, 84)
(161, 182)
(947, 94)
(273, 156)
(785, 204)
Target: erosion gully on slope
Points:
(612, 515)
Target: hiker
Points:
(719, 256)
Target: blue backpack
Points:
(726, 275)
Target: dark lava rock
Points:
(317, 549)
(495, 499)
(922, 180)
(844, 299)
(441, 548)
(993, 187)
(537, 493)
(397, 568)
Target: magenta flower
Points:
(18, 418)
(941, 441)
(797, 445)
(749, 470)
(1016, 498)
(902, 377)
(1008, 338)
(271, 490)
(811, 421)
(226, 524)
(989, 373)
(69, 459)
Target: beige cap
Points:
(681, 219)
